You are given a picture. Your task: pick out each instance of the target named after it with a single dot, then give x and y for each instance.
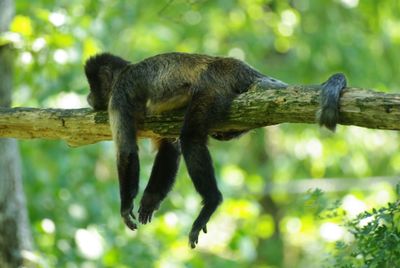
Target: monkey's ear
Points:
(106, 74)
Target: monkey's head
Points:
(100, 71)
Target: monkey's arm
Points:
(123, 128)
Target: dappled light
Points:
(89, 242)
(295, 195)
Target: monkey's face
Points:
(95, 104)
(98, 100)
(100, 70)
(100, 88)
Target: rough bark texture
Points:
(257, 108)
(15, 237)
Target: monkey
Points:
(204, 87)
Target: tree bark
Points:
(257, 108)
(15, 237)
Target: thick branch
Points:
(256, 108)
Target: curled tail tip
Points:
(328, 118)
(330, 127)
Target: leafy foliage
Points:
(265, 220)
(376, 239)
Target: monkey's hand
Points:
(129, 218)
(194, 235)
(149, 203)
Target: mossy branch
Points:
(256, 108)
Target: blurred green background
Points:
(268, 217)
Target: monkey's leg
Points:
(124, 134)
(198, 160)
(269, 82)
(161, 179)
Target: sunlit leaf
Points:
(23, 25)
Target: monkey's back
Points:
(171, 79)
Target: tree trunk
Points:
(15, 237)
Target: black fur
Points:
(161, 179)
(205, 86)
(328, 115)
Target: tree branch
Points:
(256, 108)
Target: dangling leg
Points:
(198, 118)
(161, 179)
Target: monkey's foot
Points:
(194, 235)
(149, 203)
(129, 218)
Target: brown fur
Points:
(205, 86)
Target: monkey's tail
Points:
(328, 114)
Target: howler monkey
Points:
(204, 86)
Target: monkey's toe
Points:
(149, 203)
(194, 238)
(145, 215)
(129, 221)
(194, 235)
